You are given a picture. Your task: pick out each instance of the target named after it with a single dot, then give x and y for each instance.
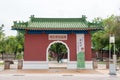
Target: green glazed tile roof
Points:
(54, 24)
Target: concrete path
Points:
(56, 74)
(58, 77)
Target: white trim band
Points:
(35, 65)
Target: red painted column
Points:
(88, 51)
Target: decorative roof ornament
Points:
(32, 16)
(84, 18)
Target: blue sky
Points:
(15, 10)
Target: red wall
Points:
(88, 51)
(36, 45)
(71, 42)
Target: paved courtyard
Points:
(57, 74)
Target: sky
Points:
(21, 10)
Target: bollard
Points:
(112, 69)
(95, 64)
(7, 64)
(20, 64)
(107, 64)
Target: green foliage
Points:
(12, 44)
(98, 21)
(2, 63)
(1, 31)
(100, 39)
(1, 38)
(20, 39)
(59, 49)
(19, 56)
(112, 26)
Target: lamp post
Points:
(112, 66)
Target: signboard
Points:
(57, 37)
(80, 51)
(112, 38)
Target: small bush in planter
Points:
(19, 56)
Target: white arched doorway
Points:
(68, 50)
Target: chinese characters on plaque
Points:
(57, 36)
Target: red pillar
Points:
(88, 51)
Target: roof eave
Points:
(16, 28)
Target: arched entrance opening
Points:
(57, 54)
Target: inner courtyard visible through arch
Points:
(57, 55)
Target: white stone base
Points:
(73, 65)
(88, 64)
(44, 65)
(35, 65)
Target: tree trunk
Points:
(2, 55)
(97, 56)
(102, 55)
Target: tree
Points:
(100, 39)
(1, 31)
(112, 26)
(19, 45)
(59, 49)
(1, 39)
(99, 42)
(20, 39)
(10, 44)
